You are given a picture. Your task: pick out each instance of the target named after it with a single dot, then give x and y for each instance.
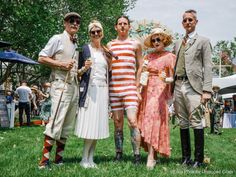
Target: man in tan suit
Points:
(193, 83)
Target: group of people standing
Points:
(111, 73)
(31, 100)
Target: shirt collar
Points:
(66, 34)
(192, 34)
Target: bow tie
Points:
(73, 38)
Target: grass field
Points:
(20, 152)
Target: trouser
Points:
(215, 123)
(24, 106)
(62, 119)
(186, 102)
(198, 145)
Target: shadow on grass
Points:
(125, 159)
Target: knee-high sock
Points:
(47, 147)
(91, 152)
(119, 138)
(60, 149)
(87, 146)
(135, 140)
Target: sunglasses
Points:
(96, 31)
(156, 40)
(187, 19)
(74, 20)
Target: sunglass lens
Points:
(156, 40)
(94, 32)
(73, 20)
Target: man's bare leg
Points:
(118, 117)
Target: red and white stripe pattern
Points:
(123, 90)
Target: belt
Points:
(62, 81)
(182, 78)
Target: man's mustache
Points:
(73, 26)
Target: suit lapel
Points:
(191, 42)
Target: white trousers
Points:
(65, 116)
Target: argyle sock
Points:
(47, 147)
(60, 149)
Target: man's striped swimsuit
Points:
(123, 90)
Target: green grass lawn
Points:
(21, 150)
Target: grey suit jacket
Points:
(198, 62)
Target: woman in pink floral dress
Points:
(153, 109)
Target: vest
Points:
(68, 52)
(180, 67)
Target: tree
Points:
(230, 48)
(29, 24)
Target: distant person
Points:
(9, 101)
(46, 103)
(227, 106)
(216, 110)
(234, 103)
(25, 94)
(9, 97)
(34, 106)
(226, 59)
(193, 86)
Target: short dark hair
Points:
(192, 11)
(123, 16)
(23, 81)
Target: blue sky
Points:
(216, 18)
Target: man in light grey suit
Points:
(193, 86)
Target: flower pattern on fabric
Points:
(153, 110)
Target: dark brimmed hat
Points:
(71, 14)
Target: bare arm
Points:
(139, 63)
(55, 63)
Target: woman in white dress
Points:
(92, 120)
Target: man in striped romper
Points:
(124, 85)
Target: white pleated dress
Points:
(92, 120)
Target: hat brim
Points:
(215, 87)
(148, 43)
(71, 14)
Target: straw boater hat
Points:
(34, 88)
(215, 87)
(167, 41)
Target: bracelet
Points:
(82, 70)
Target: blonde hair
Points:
(166, 39)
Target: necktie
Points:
(184, 42)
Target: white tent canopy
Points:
(226, 84)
